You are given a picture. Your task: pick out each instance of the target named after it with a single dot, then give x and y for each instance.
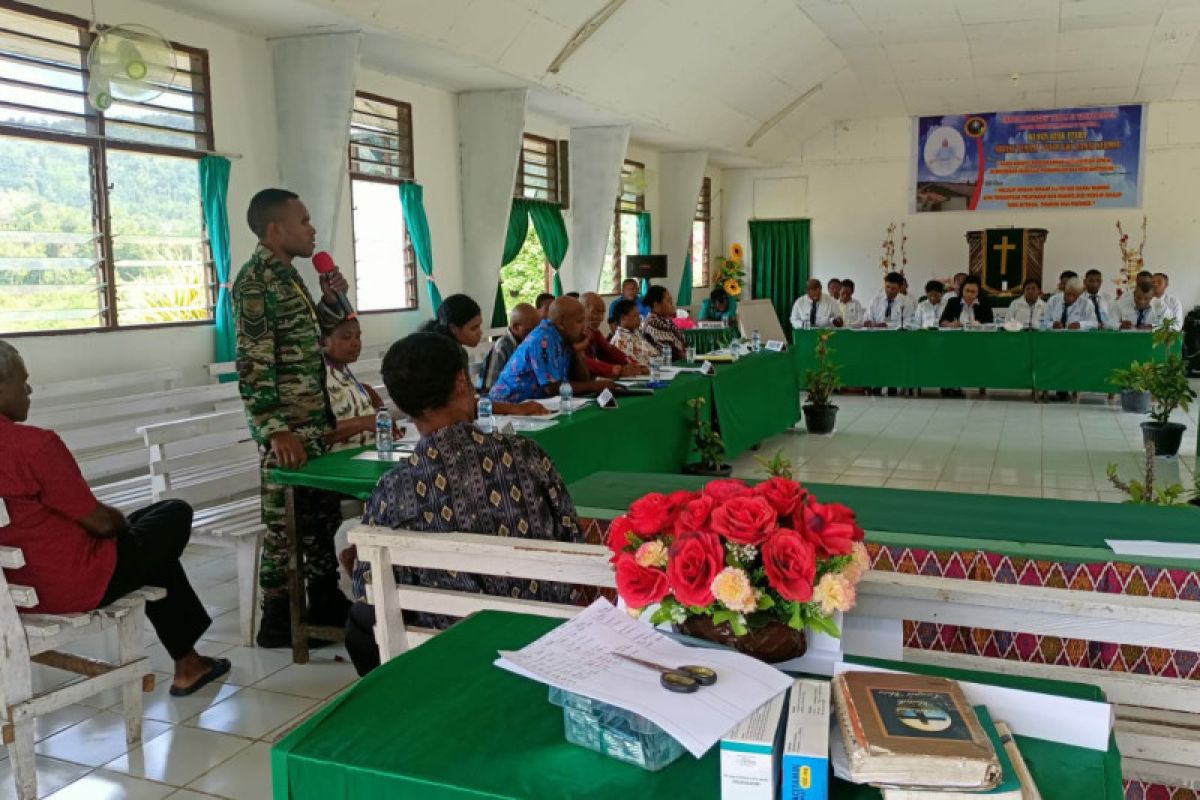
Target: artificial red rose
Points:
(695, 559)
(639, 586)
(650, 514)
(830, 527)
(725, 489)
(745, 520)
(784, 495)
(694, 515)
(680, 498)
(618, 533)
(790, 562)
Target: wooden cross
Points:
(1004, 247)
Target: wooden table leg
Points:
(296, 598)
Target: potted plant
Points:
(820, 413)
(1144, 492)
(1134, 397)
(708, 444)
(1167, 382)
(751, 568)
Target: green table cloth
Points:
(1054, 530)
(1078, 361)
(705, 340)
(442, 723)
(756, 398)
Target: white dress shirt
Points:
(1169, 306)
(902, 312)
(1103, 304)
(1127, 312)
(852, 313)
(1030, 316)
(826, 312)
(929, 315)
(1080, 311)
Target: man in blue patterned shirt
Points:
(458, 480)
(548, 356)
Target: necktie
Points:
(888, 314)
(1096, 304)
(1066, 310)
(969, 313)
(812, 315)
(1141, 318)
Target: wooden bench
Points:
(211, 462)
(106, 386)
(367, 370)
(1158, 719)
(35, 638)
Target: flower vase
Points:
(773, 643)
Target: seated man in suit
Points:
(1144, 280)
(451, 482)
(814, 309)
(1029, 308)
(970, 308)
(1064, 311)
(80, 554)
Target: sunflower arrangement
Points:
(729, 272)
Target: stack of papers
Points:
(579, 656)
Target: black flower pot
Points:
(696, 468)
(819, 419)
(1135, 402)
(1167, 436)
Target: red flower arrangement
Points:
(742, 555)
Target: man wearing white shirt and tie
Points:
(1068, 310)
(1029, 309)
(890, 309)
(1101, 304)
(1143, 280)
(1167, 306)
(929, 313)
(1140, 314)
(852, 311)
(814, 309)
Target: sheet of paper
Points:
(554, 404)
(578, 656)
(680, 370)
(1152, 549)
(775, 346)
(374, 455)
(507, 424)
(1082, 723)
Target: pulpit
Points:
(1004, 258)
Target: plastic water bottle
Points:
(655, 367)
(735, 348)
(666, 355)
(755, 342)
(383, 431)
(483, 415)
(565, 393)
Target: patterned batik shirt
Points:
(634, 346)
(348, 399)
(281, 369)
(542, 359)
(661, 331)
(460, 480)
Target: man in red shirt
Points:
(81, 554)
(602, 359)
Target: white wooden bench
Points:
(1158, 719)
(106, 386)
(211, 462)
(367, 370)
(35, 638)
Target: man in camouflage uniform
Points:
(281, 376)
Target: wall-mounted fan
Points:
(128, 62)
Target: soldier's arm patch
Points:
(252, 313)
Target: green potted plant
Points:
(1167, 382)
(708, 444)
(1144, 492)
(1134, 397)
(820, 413)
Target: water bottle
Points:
(383, 432)
(690, 355)
(565, 393)
(666, 355)
(735, 348)
(484, 420)
(655, 367)
(755, 342)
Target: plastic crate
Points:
(615, 732)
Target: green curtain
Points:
(779, 255)
(552, 233)
(412, 205)
(214, 192)
(684, 298)
(518, 229)
(643, 242)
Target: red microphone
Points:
(323, 262)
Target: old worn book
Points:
(915, 731)
(1009, 788)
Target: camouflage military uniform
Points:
(281, 375)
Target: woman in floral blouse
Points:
(626, 323)
(352, 402)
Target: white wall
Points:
(855, 178)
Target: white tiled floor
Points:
(217, 743)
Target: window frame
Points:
(553, 167)
(98, 145)
(410, 254)
(628, 167)
(704, 214)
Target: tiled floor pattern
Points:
(217, 743)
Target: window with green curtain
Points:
(552, 232)
(518, 229)
(214, 194)
(779, 259)
(412, 204)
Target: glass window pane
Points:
(380, 251)
(49, 276)
(523, 278)
(629, 236)
(159, 250)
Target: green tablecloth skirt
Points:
(705, 340)
(756, 398)
(442, 723)
(1079, 361)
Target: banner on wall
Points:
(1072, 158)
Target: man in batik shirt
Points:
(458, 480)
